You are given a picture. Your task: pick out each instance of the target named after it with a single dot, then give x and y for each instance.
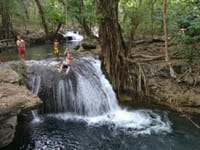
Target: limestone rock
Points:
(8, 75)
(14, 99)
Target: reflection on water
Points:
(37, 52)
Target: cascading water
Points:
(86, 94)
(83, 114)
(35, 87)
(85, 91)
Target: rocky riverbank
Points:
(181, 93)
(15, 98)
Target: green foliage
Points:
(54, 14)
(130, 16)
(141, 17)
(135, 16)
(186, 40)
(187, 52)
(89, 12)
(186, 47)
(187, 17)
(77, 12)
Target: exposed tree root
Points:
(139, 75)
(187, 117)
(171, 71)
(149, 41)
(179, 79)
(147, 58)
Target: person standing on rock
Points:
(56, 48)
(21, 48)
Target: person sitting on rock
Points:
(67, 62)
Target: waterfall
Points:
(86, 94)
(93, 90)
(85, 91)
(35, 84)
(35, 87)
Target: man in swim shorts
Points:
(56, 48)
(21, 48)
(67, 62)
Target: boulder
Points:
(8, 75)
(14, 99)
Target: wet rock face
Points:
(14, 99)
(7, 131)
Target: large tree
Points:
(5, 19)
(167, 58)
(112, 43)
(44, 23)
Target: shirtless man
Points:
(67, 62)
(21, 48)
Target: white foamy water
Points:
(136, 122)
(88, 96)
(35, 87)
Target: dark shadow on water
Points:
(54, 133)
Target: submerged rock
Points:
(14, 99)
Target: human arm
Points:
(60, 69)
(22, 44)
(18, 43)
(67, 70)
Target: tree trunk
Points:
(152, 3)
(167, 59)
(58, 28)
(113, 49)
(5, 16)
(165, 30)
(81, 19)
(42, 17)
